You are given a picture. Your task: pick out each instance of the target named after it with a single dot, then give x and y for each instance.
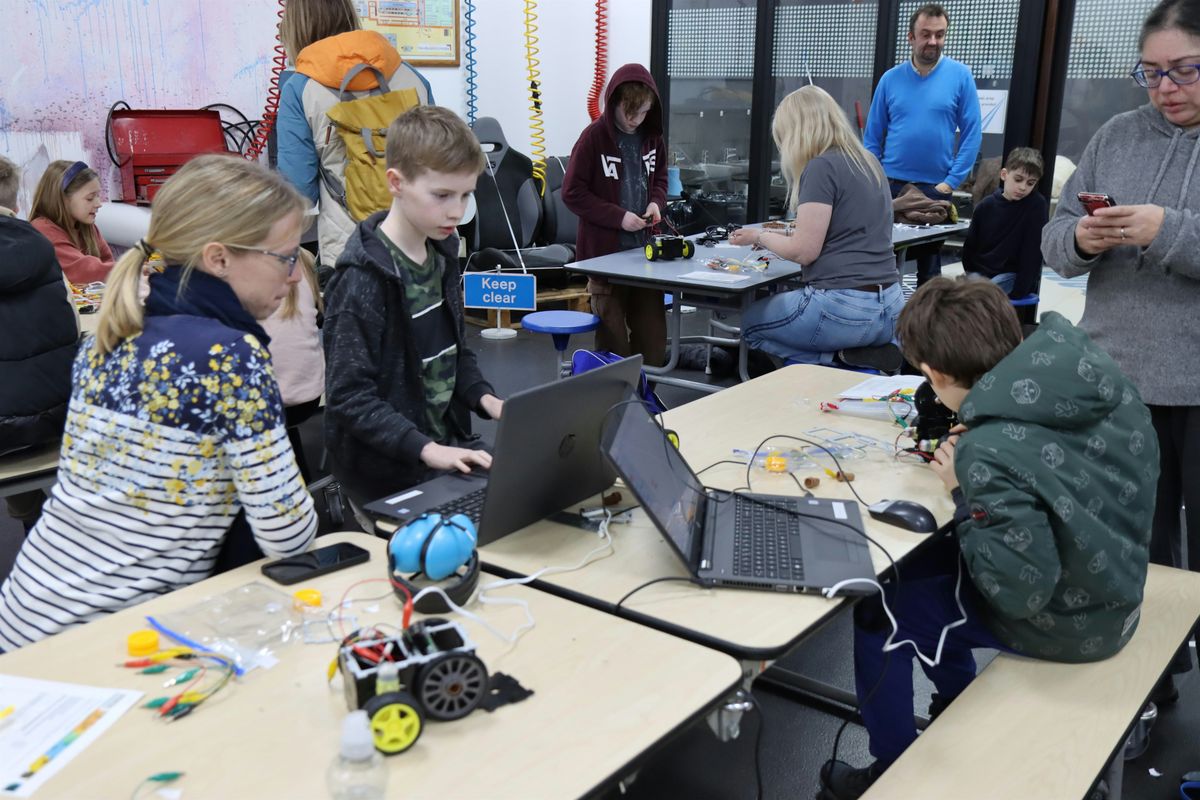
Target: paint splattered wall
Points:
(69, 60)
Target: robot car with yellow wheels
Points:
(665, 248)
(430, 671)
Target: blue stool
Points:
(560, 325)
(1026, 308)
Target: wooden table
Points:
(750, 625)
(606, 691)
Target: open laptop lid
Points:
(662, 481)
(547, 450)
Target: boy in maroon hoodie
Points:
(616, 183)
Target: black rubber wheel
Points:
(451, 686)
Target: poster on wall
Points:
(424, 31)
(993, 106)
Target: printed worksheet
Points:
(44, 724)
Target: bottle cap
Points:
(306, 597)
(142, 643)
(358, 743)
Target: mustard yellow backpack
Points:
(362, 123)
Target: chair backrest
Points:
(559, 223)
(506, 193)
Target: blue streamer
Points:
(472, 87)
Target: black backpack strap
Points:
(353, 73)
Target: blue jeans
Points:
(928, 256)
(809, 325)
(924, 604)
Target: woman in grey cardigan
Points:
(1142, 259)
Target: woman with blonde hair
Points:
(174, 437)
(842, 235)
(325, 41)
(64, 211)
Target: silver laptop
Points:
(750, 541)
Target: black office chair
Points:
(559, 223)
(509, 205)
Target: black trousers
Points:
(1177, 511)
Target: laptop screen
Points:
(656, 473)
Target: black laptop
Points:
(547, 457)
(743, 540)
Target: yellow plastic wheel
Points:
(689, 249)
(673, 438)
(649, 252)
(396, 723)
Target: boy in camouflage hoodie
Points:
(1053, 477)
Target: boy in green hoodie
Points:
(1053, 476)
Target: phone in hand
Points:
(305, 566)
(1091, 201)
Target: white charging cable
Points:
(602, 532)
(890, 645)
(511, 638)
(482, 592)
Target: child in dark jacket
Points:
(1053, 473)
(616, 183)
(1005, 238)
(400, 381)
(40, 336)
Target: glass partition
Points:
(1103, 52)
(829, 43)
(983, 36)
(710, 64)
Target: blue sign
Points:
(500, 290)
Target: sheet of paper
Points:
(882, 386)
(713, 276)
(49, 725)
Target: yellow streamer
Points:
(537, 132)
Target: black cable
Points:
(887, 660)
(799, 485)
(632, 592)
(718, 463)
(108, 137)
(811, 443)
(762, 723)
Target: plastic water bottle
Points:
(358, 772)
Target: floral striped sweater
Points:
(167, 438)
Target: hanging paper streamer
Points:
(472, 75)
(601, 74)
(537, 134)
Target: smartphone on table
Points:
(1092, 200)
(306, 566)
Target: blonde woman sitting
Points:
(843, 236)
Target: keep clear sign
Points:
(516, 291)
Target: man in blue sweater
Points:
(917, 108)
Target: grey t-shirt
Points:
(634, 191)
(858, 244)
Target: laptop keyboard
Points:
(469, 504)
(763, 540)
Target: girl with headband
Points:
(64, 210)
